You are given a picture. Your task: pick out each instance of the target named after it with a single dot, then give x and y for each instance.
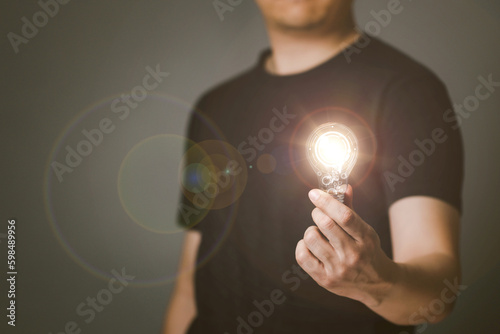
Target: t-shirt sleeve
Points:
(420, 150)
(189, 216)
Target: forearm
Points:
(421, 290)
(182, 308)
(180, 314)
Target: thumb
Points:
(348, 197)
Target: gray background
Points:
(91, 51)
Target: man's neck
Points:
(296, 52)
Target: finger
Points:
(344, 216)
(305, 259)
(319, 246)
(336, 236)
(348, 197)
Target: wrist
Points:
(389, 274)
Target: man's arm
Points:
(182, 308)
(425, 240)
(343, 255)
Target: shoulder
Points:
(227, 91)
(395, 66)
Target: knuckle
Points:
(373, 235)
(368, 243)
(310, 240)
(347, 217)
(309, 265)
(300, 252)
(326, 222)
(301, 257)
(316, 212)
(342, 272)
(323, 201)
(310, 233)
(354, 259)
(370, 238)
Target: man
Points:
(382, 261)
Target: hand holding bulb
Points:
(342, 253)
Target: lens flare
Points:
(85, 212)
(215, 176)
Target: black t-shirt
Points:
(248, 177)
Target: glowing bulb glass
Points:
(332, 151)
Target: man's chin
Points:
(300, 24)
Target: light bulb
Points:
(332, 151)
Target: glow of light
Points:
(332, 150)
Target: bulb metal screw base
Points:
(338, 196)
